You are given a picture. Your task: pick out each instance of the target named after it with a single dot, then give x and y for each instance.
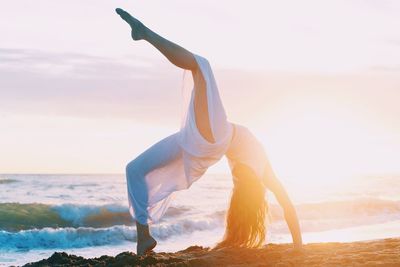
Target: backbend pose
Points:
(206, 135)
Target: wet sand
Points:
(385, 252)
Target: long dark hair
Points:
(245, 219)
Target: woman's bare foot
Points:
(138, 29)
(145, 242)
(145, 246)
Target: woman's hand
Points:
(296, 250)
(298, 245)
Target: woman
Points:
(205, 136)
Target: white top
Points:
(246, 149)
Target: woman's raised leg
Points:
(156, 156)
(181, 58)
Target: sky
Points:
(318, 82)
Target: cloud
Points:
(82, 85)
(386, 68)
(394, 42)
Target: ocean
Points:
(88, 215)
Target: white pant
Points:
(177, 161)
(158, 155)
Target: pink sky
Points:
(317, 81)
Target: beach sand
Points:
(385, 252)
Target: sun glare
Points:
(316, 142)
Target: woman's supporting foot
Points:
(138, 29)
(145, 246)
(145, 242)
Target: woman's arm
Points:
(273, 184)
